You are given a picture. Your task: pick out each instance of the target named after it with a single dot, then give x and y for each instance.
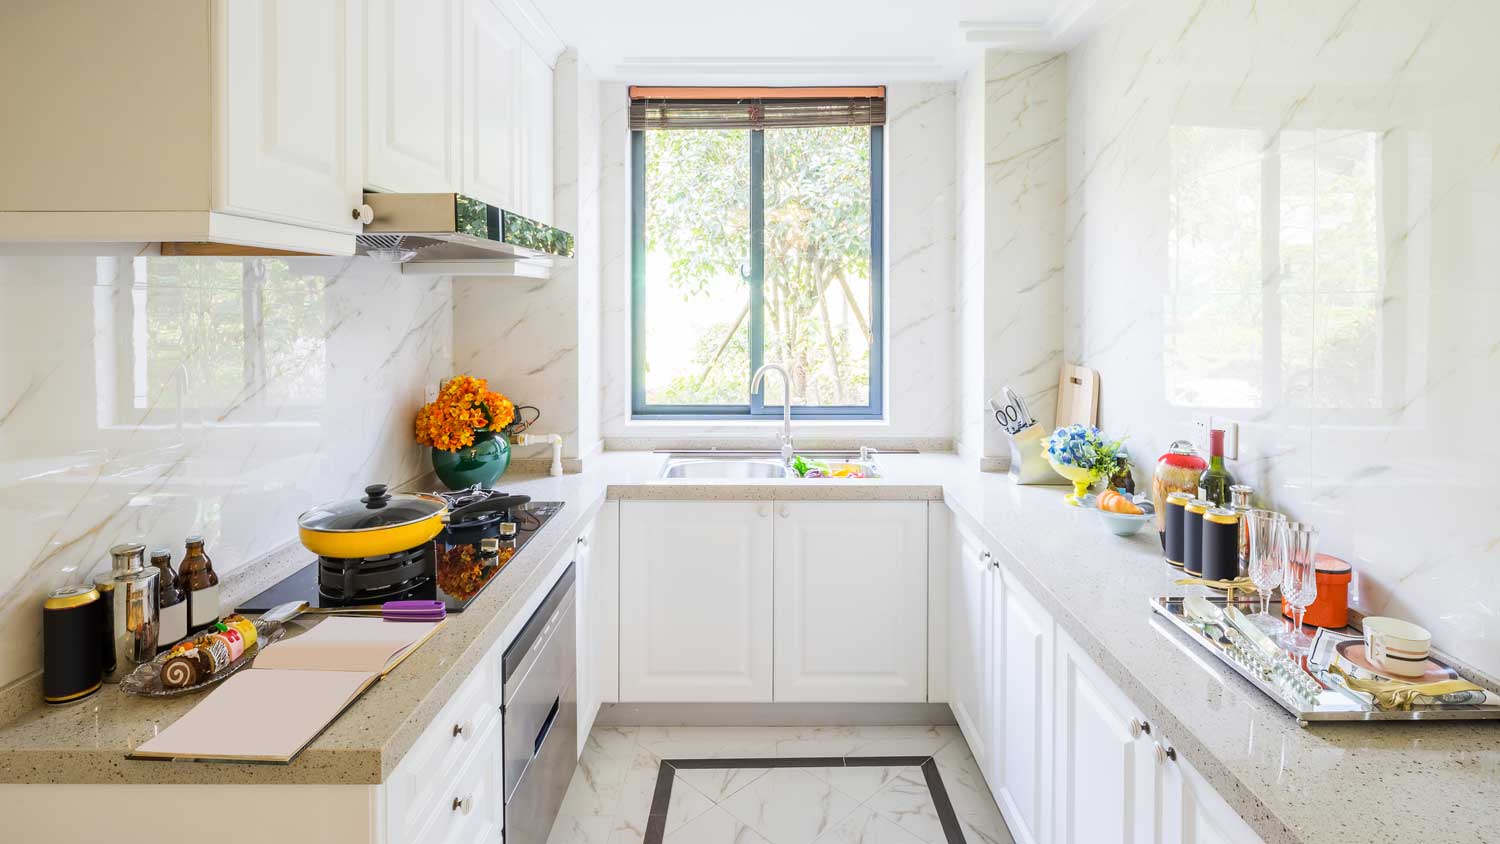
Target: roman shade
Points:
(754, 108)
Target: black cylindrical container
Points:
(72, 661)
(1192, 536)
(1221, 544)
(1176, 514)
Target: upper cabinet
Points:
(412, 50)
(261, 122)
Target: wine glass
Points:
(1299, 582)
(1267, 562)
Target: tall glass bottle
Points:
(1214, 483)
(197, 576)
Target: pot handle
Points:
(504, 502)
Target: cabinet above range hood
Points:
(451, 227)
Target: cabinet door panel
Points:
(1193, 813)
(1023, 720)
(587, 658)
(491, 104)
(695, 601)
(969, 632)
(288, 122)
(536, 150)
(851, 601)
(1104, 790)
(411, 67)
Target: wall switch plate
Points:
(432, 393)
(1231, 431)
(1202, 422)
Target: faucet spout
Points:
(787, 452)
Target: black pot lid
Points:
(378, 509)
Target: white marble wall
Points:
(920, 353)
(147, 399)
(1283, 214)
(1011, 139)
(537, 341)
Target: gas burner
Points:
(372, 579)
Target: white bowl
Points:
(1122, 524)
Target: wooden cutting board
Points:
(1077, 396)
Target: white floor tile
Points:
(907, 803)
(867, 827)
(857, 781)
(790, 806)
(718, 783)
(715, 826)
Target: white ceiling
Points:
(806, 41)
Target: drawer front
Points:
(465, 728)
(467, 807)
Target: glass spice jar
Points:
(1176, 471)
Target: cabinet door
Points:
(1023, 709)
(587, 659)
(695, 601)
(969, 632)
(851, 601)
(1104, 781)
(1193, 813)
(536, 130)
(412, 95)
(288, 120)
(492, 118)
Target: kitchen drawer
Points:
(464, 729)
(466, 809)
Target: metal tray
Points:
(1332, 703)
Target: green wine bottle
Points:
(1214, 483)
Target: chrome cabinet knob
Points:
(1139, 728)
(763, 511)
(463, 804)
(463, 729)
(1165, 754)
(785, 513)
(364, 214)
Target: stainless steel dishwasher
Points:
(539, 702)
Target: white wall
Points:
(1333, 288)
(102, 441)
(920, 354)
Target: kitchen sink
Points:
(726, 468)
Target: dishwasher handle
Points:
(541, 735)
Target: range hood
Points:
(433, 227)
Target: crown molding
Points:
(781, 68)
(1069, 23)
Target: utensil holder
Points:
(1028, 461)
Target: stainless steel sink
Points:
(726, 468)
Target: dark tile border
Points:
(656, 822)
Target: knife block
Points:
(1028, 462)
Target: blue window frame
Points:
(755, 277)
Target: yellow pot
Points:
(373, 526)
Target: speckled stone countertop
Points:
(1359, 782)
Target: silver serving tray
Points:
(1333, 703)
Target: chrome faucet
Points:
(787, 452)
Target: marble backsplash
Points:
(146, 398)
(1283, 214)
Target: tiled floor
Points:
(807, 797)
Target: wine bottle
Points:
(1214, 483)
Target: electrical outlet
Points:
(432, 393)
(1231, 431)
(1202, 422)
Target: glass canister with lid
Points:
(1176, 471)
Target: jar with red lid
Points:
(1176, 471)
(1331, 607)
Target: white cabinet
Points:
(235, 121)
(289, 144)
(1021, 770)
(1104, 788)
(970, 600)
(695, 601)
(584, 599)
(492, 110)
(1192, 812)
(535, 170)
(851, 601)
(596, 562)
(412, 95)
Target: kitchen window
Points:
(757, 238)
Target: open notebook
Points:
(295, 689)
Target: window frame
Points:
(640, 409)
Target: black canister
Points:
(1192, 535)
(1176, 508)
(1221, 544)
(72, 660)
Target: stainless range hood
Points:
(443, 227)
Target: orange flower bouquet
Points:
(461, 426)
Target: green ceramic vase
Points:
(481, 463)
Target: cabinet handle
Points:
(986, 556)
(364, 214)
(1139, 728)
(762, 511)
(1165, 754)
(583, 541)
(785, 513)
(463, 804)
(463, 730)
